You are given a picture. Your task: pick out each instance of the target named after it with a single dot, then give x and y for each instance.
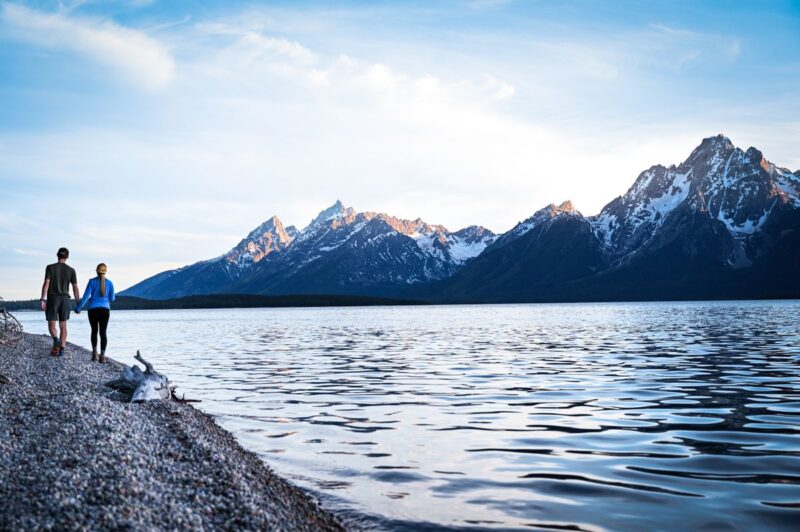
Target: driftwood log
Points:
(147, 385)
(10, 333)
(10, 327)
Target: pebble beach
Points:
(75, 455)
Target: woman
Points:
(99, 293)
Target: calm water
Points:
(596, 416)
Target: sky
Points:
(153, 134)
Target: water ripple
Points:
(564, 417)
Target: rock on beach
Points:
(75, 456)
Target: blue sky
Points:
(151, 134)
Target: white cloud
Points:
(261, 121)
(140, 58)
(678, 48)
(281, 47)
(28, 252)
(255, 46)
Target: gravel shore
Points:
(74, 455)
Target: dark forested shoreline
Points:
(234, 301)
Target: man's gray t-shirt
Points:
(61, 277)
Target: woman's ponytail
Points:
(101, 274)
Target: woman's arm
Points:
(111, 294)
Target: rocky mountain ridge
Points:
(723, 213)
(720, 211)
(340, 247)
(739, 188)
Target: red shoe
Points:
(55, 351)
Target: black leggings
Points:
(98, 318)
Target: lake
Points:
(571, 416)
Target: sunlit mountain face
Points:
(340, 251)
(724, 223)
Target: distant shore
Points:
(235, 301)
(75, 455)
(229, 301)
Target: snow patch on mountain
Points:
(677, 193)
(462, 251)
(746, 228)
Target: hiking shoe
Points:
(54, 352)
(102, 358)
(95, 357)
(61, 351)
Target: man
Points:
(55, 299)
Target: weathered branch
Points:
(183, 399)
(147, 365)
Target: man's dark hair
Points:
(63, 253)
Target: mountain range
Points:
(340, 252)
(725, 223)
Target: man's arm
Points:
(74, 282)
(45, 286)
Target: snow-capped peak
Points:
(267, 238)
(546, 213)
(717, 143)
(272, 224)
(738, 188)
(334, 212)
(539, 217)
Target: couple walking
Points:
(99, 293)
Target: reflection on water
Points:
(578, 417)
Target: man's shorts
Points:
(57, 308)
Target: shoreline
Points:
(227, 301)
(74, 454)
(278, 302)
